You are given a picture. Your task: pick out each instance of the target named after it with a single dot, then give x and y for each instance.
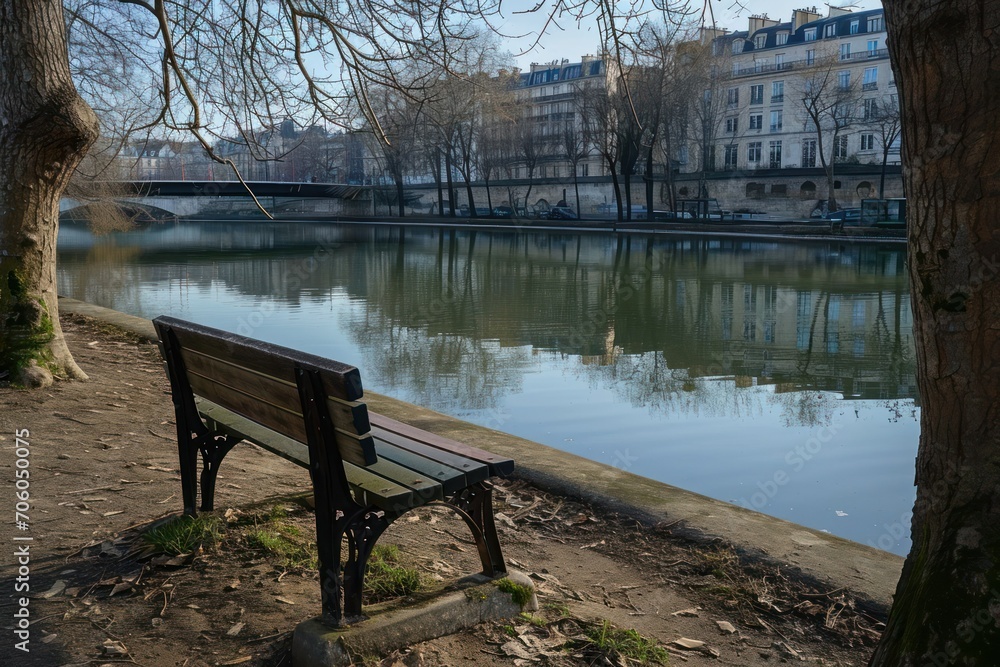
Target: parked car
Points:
(849, 216)
(503, 212)
(562, 213)
(672, 215)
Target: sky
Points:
(572, 41)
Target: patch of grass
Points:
(277, 537)
(386, 578)
(536, 621)
(627, 643)
(184, 534)
(560, 609)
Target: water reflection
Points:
(571, 339)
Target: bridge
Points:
(162, 199)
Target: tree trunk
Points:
(437, 180)
(576, 188)
(400, 201)
(947, 602)
(881, 178)
(649, 183)
(46, 130)
(468, 193)
(618, 190)
(451, 186)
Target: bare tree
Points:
(882, 115)
(399, 119)
(575, 149)
(600, 117)
(829, 95)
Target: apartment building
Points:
(554, 98)
(793, 93)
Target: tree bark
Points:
(45, 130)
(947, 603)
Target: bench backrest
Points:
(268, 384)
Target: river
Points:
(777, 375)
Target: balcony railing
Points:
(750, 70)
(777, 99)
(873, 85)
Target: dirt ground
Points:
(102, 469)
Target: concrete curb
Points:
(315, 645)
(868, 572)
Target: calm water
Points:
(775, 375)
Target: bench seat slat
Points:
(475, 471)
(450, 478)
(499, 466)
(386, 484)
(350, 416)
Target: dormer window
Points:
(737, 46)
(855, 26)
(759, 41)
(875, 24)
(809, 34)
(782, 38)
(830, 30)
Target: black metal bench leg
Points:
(475, 505)
(213, 449)
(187, 451)
(362, 533)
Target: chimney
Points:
(802, 16)
(760, 21)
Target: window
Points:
(775, 154)
(732, 125)
(776, 121)
(736, 69)
(777, 91)
(809, 34)
(760, 65)
(810, 56)
(779, 61)
(875, 24)
(830, 30)
(757, 94)
(845, 51)
(871, 109)
(870, 81)
(732, 155)
(855, 26)
(759, 41)
(733, 96)
(867, 142)
(737, 46)
(756, 121)
(872, 48)
(781, 38)
(840, 148)
(753, 152)
(844, 79)
(809, 154)
(585, 169)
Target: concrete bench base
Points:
(389, 629)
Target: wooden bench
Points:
(366, 469)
